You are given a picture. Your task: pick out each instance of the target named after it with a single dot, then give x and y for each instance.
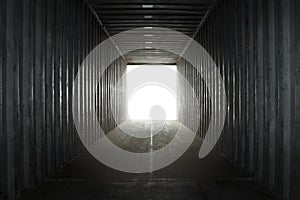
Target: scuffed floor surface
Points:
(213, 177)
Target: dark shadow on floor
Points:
(213, 177)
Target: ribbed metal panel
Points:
(255, 44)
(42, 45)
(109, 80)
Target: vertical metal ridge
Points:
(102, 25)
(41, 48)
(259, 64)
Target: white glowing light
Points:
(147, 6)
(142, 101)
(147, 97)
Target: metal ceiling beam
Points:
(132, 27)
(153, 16)
(182, 16)
(149, 21)
(149, 12)
(189, 33)
(153, 2)
(155, 6)
(166, 25)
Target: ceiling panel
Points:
(121, 15)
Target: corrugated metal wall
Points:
(42, 45)
(254, 43)
(109, 115)
(256, 46)
(192, 79)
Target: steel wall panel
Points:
(42, 45)
(255, 46)
(296, 156)
(2, 76)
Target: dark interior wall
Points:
(190, 77)
(112, 108)
(42, 45)
(255, 44)
(296, 149)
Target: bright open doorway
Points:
(151, 92)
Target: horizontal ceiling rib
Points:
(178, 15)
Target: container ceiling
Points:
(121, 15)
